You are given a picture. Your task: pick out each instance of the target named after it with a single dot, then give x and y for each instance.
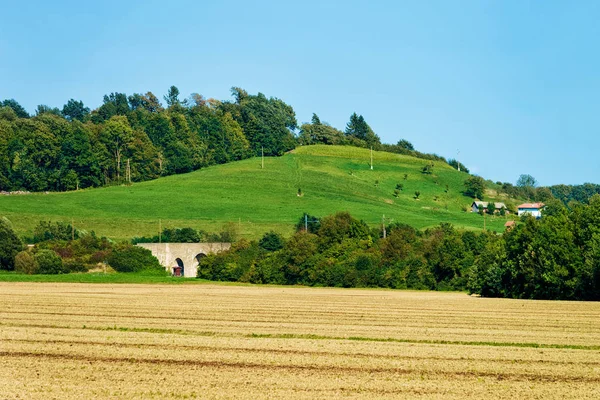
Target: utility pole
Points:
(306, 221)
(457, 162)
(128, 172)
(159, 232)
(262, 158)
(383, 226)
(371, 157)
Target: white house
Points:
(533, 209)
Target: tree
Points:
(10, 245)
(358, 128)
(49, 262)
(458, 165)
(116, 135)
(308, 222)
(25, 263)
(427, 169)
(271, 241)
(315, 120)
(268, 123)
(405, 144)
(526, 181)
(75, 110)
(16, 107)
(172, 97)
(474, 187)
(491, 208)
(46, 230)
(44, 109)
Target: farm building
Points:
(509, 225)
(533, 209)
(477, 205)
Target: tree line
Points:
(132, 138)
(555, 257)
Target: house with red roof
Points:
(533, 209)
(509, 225)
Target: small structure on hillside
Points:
(533, 209)
(509, 225)
(483, 205)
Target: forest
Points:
(132, 138)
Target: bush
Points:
(47, 230)
(129, 258)
(271, 241)
(49, 262)
(25, 263)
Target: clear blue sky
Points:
(515, 85)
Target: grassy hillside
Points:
(331, 178)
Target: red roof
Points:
(509, 223)
(531, 205)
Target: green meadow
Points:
(256, 199)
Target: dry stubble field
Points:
(213, 341)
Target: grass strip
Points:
(323, 337)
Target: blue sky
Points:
(515, 85)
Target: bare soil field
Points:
(81, 341)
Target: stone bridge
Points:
(183, 255)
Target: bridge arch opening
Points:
(179, 269)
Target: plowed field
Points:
(86, 341)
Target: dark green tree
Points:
(49, 262)
(527, 181)
(16, 107)
(405, 144)
(271, 241)
(474, 187)
(172, 97)
(10, 245)
(75, 110)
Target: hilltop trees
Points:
(268, 123)
(358, 129)
(74, 147)
(319, 133)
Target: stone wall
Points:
(168, 253)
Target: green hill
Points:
(331, 178)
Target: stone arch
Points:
(181, 267)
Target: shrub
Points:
(271, 241)
(47, 230)
(128, 258)
(49, 262)
(25, 263)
